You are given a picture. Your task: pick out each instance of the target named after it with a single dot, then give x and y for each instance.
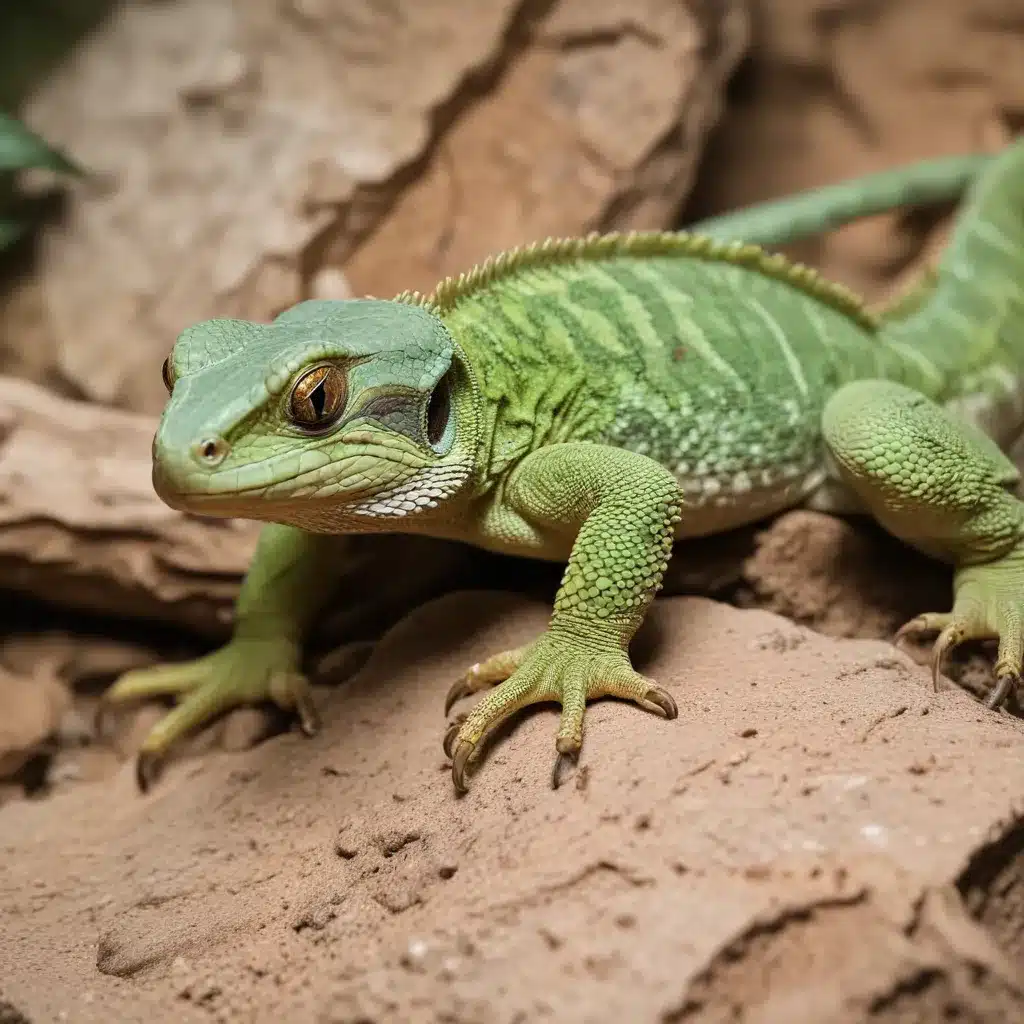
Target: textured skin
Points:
(588, 400)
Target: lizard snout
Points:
(181, 472)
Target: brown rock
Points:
(31, 708)
(77, 660)
(248, 153)
(839, 88)
(849, 860)
(81, 527)
(840, 577)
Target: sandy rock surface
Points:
(819, 819)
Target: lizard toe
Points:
(484, 675)
(987, 606)
(243, 672)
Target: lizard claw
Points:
(1006, 683)
(305, 708)
(148, 764)
(661, 699)
(985, 608)
(460, 758)
(568, 751)
(456, 692)
(951, 636)
(450, 733)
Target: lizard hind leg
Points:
(937, 483)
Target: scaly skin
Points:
(587, 401)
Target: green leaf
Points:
(21, 149)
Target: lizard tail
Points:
(970, 324)
(815, 212)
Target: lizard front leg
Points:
(291, 576)
(622, 509)
(937, 483)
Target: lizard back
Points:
(714, 360)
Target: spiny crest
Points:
(596, 247)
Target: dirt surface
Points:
(819, 837)
(819, 819)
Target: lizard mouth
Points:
(257, 489)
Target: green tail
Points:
(813, 213)
(971, 325)
(963, 326)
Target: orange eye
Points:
(318, 397)
(167, 372)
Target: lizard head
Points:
(333, 416)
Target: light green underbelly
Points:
(711, 506)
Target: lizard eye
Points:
(167, 372)
(318, 397)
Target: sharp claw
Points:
(946, 641)
(450, 733)
(664, 700)
(147, 769)
(463, 752)
(1004, 685)
(309, 717)
(568, 756)
(449, 739)
(456, 692)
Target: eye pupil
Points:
(318, 397)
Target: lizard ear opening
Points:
(439, 411)
(167, 372)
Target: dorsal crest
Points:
(596, 247)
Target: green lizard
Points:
(589, 400)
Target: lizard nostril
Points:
(211, 450)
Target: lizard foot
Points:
(242, 672)
(987, 607)
(552, 668)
